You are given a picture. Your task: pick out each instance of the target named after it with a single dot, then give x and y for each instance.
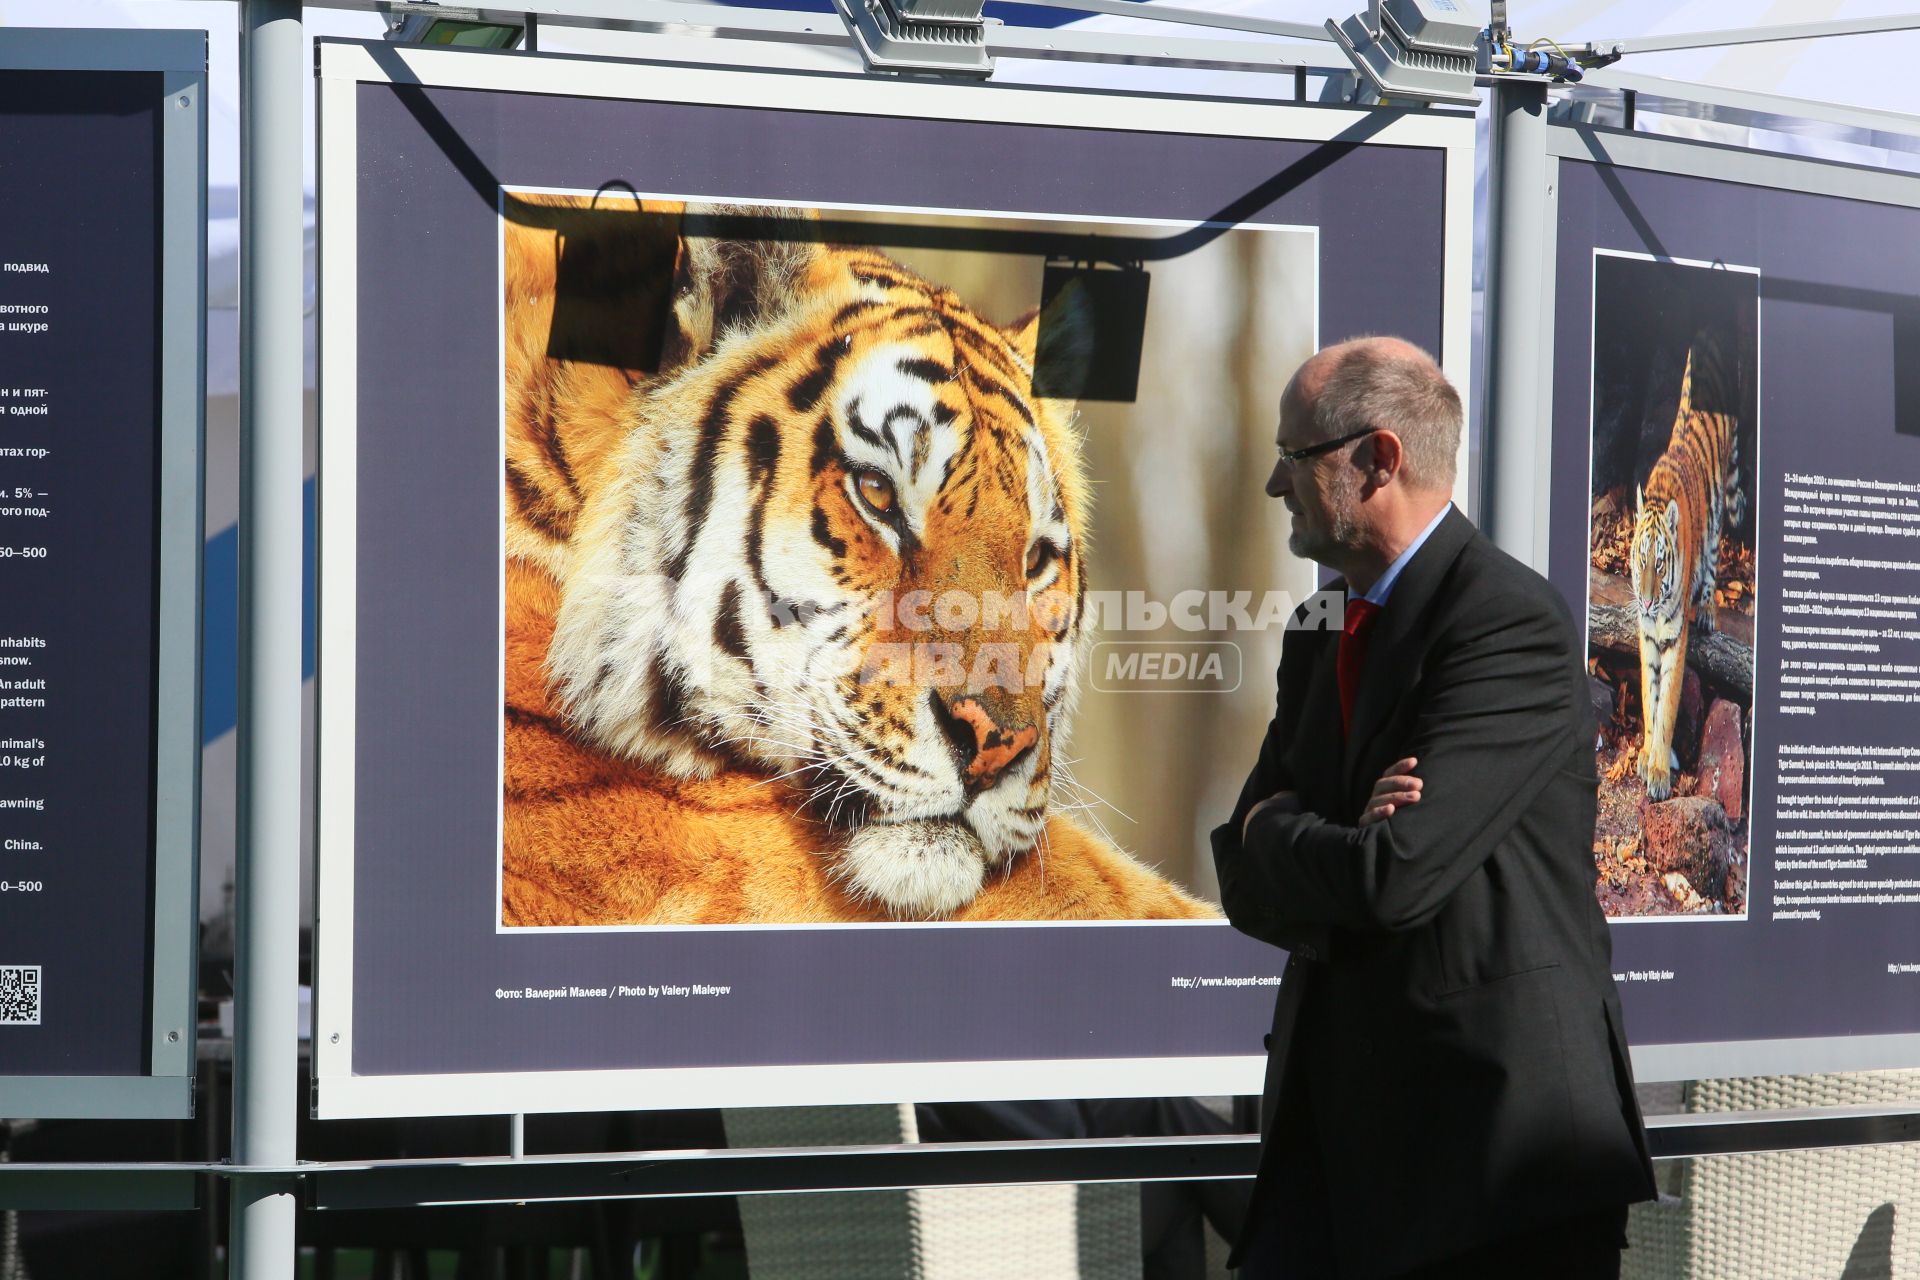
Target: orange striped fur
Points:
(696, 726)
(1689, 499)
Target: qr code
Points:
(19, 995)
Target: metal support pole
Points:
(1516, 430)
(275, 69)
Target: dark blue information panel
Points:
(1736, 503)
(80, 335)
(506, 895)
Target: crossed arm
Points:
(1493, 727)
(1398, 787)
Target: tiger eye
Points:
(877, 490)
(1037, 556)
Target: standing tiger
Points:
(750, 677)
(1690, 498)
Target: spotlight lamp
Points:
(460, 29)
(1417, 50)
(944, 37)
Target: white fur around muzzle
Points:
(915, 869)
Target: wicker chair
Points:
(936, 1233)
(1803, 1215)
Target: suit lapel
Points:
(1390, 665)
(1315, 758)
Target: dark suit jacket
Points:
(1447, 1063)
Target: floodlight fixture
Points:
(1417, 50)
(456, 29)
(945, 37)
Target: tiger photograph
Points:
(1671, 582)
(799, 529)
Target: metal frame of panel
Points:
(166, 1091)
(342, 65)
(1602, 145)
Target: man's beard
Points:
(1342, 531)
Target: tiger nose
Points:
(986, 749)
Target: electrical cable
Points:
(1535, 61)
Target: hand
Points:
(1396, 789)
(1284, 801)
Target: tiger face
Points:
(1655, 565)
(844, 547)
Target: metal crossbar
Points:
(1755, 35)
(639, 1175)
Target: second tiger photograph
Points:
(1671, 598)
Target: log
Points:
(1719, 657)
(1611, 588)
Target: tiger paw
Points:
(916, 870)
(1657, 773)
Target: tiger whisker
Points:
(759, 740)
(1088, 810)
(1064, 772)
(811, 766)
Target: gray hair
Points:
(1401, 391)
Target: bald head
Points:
(1385, 384)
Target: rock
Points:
(1602, 694)
(1686, 726)
(1723, 759)
(1683, 892)
(1693, 836)
(1735, 897)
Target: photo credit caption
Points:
(618, 991)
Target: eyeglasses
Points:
(1291, 456)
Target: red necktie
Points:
(1351, 659)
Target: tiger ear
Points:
(1057, 342)
(1639, 499)
(1023, 335)
(1673, 517)
(737, 266)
